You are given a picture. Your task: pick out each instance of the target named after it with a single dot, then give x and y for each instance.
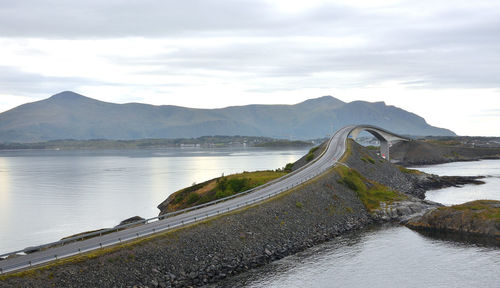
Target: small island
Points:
(475, 218)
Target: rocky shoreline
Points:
(433, 182)
(476, 218)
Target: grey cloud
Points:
(455, 47)
(14, 81)
(430, 66)
(114, 18)
(489, 113)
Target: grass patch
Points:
(299, 204)
(483, 209)
(314, 149)
(347, 152)
(192, 198)
(310, 155)
(221, 187)
(444, 142)
(288, 167)
(368, 159)
(409, 171)
(369, 192)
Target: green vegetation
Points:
(310, 155)
(369, 192)
(483, 209)
(220, 187)
(299, 204)
(288, 167)
(367, 159)
(204, 141)
(409, 171)
(192, 198)
(348, 151)
(479, 218)
(444, 142)
(283, 143)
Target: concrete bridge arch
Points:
(386, 138)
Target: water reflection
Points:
(456, 239)
(4, 194)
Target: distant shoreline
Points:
(200, 142)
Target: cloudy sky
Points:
(439, 59)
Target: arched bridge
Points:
(386, 138)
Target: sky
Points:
(438, 59)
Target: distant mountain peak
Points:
(65, 95)
(323, 100)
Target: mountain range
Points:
(68, 115)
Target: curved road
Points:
(335, 150)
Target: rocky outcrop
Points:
(426, 153)
(402, 211)
(130, 220)
(478, 218)
(431, 182)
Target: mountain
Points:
(68, 115)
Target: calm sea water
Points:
(452, 195)
(46, 195)
(392, 255)
(384, 256)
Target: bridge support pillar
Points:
(384, 149)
